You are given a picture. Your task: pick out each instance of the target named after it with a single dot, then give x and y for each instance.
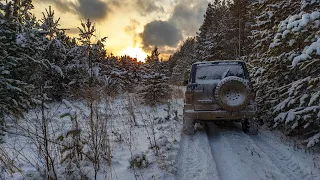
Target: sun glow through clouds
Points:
(135, 53)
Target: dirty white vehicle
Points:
(219, 91)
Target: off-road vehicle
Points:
(219, 91)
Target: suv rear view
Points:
(219, 91)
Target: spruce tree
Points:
(286, 56)
(18, 56)
(55, 52)
(155, 84)
(204, 39)
(239, 30)
(213, 34)
(184, 58)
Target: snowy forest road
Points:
(226, 153)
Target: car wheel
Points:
(200, 126)
(249, 126)
(188, 126)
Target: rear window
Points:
(210, 72)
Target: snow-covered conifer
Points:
(286, 50)
(184, 58)
(155, 84)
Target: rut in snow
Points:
(226, 153)
(291, 169)
(195, 160)
(250, 157)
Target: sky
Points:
(133, 27)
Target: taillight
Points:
(188, 97)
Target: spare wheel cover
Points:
(232, 93)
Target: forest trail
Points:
(226, 153)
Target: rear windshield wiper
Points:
(226, 73)
(202, 77)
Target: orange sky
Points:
(124, 20)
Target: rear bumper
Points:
(217, 115)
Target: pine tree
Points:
(17, 57)
(239, 28)
(79, 61)
(113, 78)
(155, 84)
(154, 58)
(76, 69)
(55, 52)
(184, 58)
(286, 35)
(87, 64)
(155, 88)
(204, 40)
(212, 37)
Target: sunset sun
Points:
(135, 53)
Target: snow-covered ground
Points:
(217, 152)
(226, 153)
(128, 140)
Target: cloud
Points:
(185, 20)
(115, 3)
(132, 26)
(145, 7)
(61, 5)
(95, 10)
(188, 15)
(131, 29)
(160, 33)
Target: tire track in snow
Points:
(227, 153)
(285, 163)
(237, 157)
(195, 160)
(241, 156)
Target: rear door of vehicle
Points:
(204, 84)
(205, 77)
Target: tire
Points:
(188, 126)
(250, 126)
(232, 93)
(201, 126)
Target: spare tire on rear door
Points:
(232, 93)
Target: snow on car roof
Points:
(220, 62)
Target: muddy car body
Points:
(219, 91)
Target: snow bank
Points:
(147, 164)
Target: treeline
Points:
(224, 34)
(40, 62)
(280, 41)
